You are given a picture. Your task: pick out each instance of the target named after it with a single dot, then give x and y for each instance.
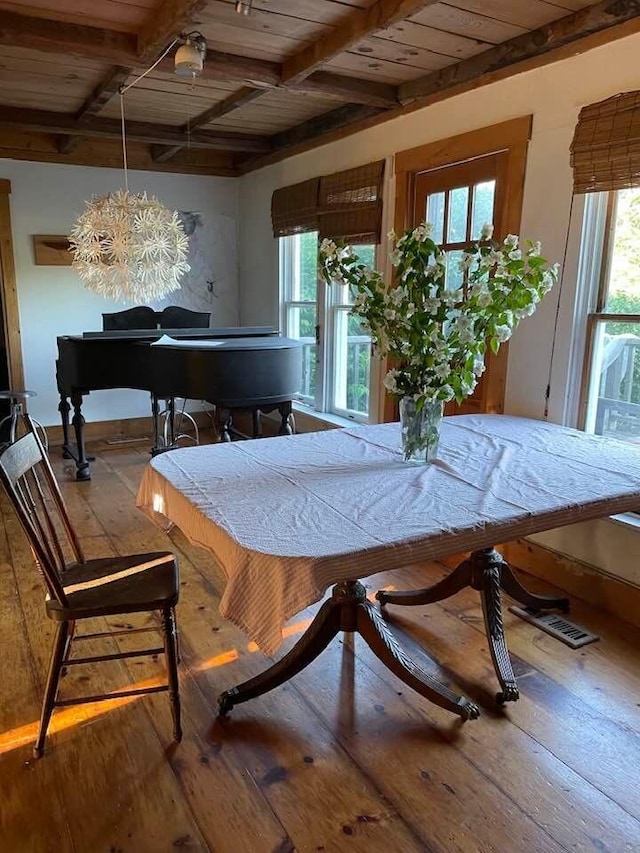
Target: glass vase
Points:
(420, 430)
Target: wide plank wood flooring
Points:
(342, 758)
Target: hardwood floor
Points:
(343, 757)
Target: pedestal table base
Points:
(349, 610)
(488, 572)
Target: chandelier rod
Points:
(126, 88)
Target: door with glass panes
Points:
(458, 200)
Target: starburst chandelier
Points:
(129, 247)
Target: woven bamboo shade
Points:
(294, 209)
(345, 205)
(351, 204)
(605, 152)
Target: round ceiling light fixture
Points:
(189, 58)
(129, 248)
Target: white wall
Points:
(46, 199)
(554, 95)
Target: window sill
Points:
(308, 419)
(627, 519)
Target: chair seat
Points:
(113, 585)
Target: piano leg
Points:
(83, 471)
(286, 418)
(64, 408)
(225, 421)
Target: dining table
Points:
(288, 517)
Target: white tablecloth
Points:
(286, 517)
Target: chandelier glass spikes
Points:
(129, 247)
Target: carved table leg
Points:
(64, 408)
(486, 566)
(83, 471)
(314, 640)
(488, 572)
(349, 610)
(386, 647)
(512, 586)
(458, 579)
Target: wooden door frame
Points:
(511, 137)
(9, 292)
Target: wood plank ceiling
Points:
(277, 79)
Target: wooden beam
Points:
(325, 123)
(70, 39)
(233, 102)
(101, 95)
(41, 148)
(531, 45)
(359, 25)
(17, 118)
(350, 89)
(165, 22)
(117, 48)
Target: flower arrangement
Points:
(438, 317)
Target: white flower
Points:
(487, 231)
(503, 333)
(360, 300)
(442, 370)
(422, 232)
(446, 393)
(389, 313)
(397, 294)
(515, 255)
(392, 236)
(343, 253)
(484, 299)
(328, 248)
(450, 297)
(410, 310)
(395, 257)
(511, 241)
(390, 381)
(466, 262)
(431, 305)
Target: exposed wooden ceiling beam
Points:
(358, 25)
(70, 39)
(233, 102)
(17, 118)
(103, 92)
(572, 27)
(41, 148)
(58, 37)
(164, 23)
(325, 123)
(350, 88)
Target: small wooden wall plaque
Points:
(52, 250)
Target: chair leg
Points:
(67, 647)
(51, 690)
(177, 633)
(171, 654)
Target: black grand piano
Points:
(243, 368)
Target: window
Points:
(610, 399)
(336, 359)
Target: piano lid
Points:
(155, 334)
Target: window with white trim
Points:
(610, 284)
(336, 361)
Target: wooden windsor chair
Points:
(78, 588)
